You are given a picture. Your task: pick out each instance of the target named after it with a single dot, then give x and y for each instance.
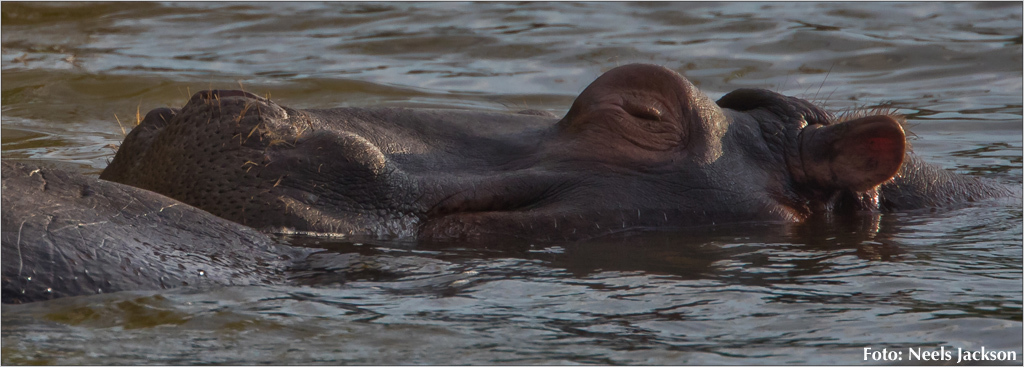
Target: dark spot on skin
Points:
(86, 191)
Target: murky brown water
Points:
(731, 295)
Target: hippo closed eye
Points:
(639, 148)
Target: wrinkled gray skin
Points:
(640, 148)
(65, 234)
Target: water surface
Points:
(721, 295)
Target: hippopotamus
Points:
(639, 149)
(65, 234)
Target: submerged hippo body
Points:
(65, 234)
(640, 148)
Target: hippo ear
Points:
(856, 155)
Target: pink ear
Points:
(856, 155)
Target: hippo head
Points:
(639, 148)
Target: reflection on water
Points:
(726, 294)
(765, 295)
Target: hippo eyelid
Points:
(643, 112)
(650, 113)
(642, 106)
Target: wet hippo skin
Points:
(640, 148)
(65, 234)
